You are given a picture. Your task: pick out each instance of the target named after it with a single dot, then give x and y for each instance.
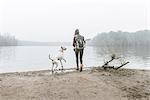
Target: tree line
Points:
(7, 40)
(123, 39)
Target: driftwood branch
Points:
(113, 57)
(122, 65)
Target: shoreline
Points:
(73, 69)
(92, 84)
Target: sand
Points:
(123, 84)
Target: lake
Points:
(29, 58)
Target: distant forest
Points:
(112, 38)
(7, 40)
(123, 39)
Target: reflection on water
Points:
(25, 58)
(139, 57)
(7, 53)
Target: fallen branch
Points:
(113, 57)
(122, 65)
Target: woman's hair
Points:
(76, 31)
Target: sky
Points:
(56, 20)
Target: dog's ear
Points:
(65, 48)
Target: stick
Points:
(122, 65)
(107, 62)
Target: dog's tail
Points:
(50, 57)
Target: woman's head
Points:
(76, 31)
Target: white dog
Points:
(58, 58)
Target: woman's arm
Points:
(74, 42)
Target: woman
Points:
(78, 44)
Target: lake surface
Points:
(29, 58)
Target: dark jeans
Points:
(79, 53)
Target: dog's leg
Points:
(56, 66)
(64, 60)
(52, 68)
(61, 64)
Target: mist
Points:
(56, 21)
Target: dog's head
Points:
(63, 48)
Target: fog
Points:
(56, 20)
(123, 39)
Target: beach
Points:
(93, 84)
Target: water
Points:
(29, 58)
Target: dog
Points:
(58, 58)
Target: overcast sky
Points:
(56, 20)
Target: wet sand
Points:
(122, 84)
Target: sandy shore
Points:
(123, 84)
